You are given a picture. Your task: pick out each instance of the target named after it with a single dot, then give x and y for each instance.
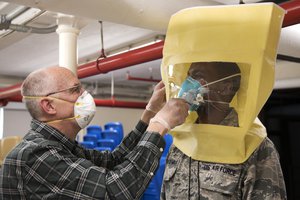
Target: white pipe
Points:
(112, 85)
(68, 52)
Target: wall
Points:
(17, 119)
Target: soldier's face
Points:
(205, 73)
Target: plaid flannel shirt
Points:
(47, 165)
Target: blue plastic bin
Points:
(91, 138)
(103, 148)
(88, 144)
(106, 143)
(94, 130)
(113, 135)
(115, 126)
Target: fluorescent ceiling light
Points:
(26, 16)
(23, 18)
(3, 5)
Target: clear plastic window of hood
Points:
(216, 91)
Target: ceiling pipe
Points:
(68, 33)
(99, 102)
(292, 15)
(30, 29)
(10, 91)
(120, 61)
(144, 54)
(17, 98)
(127, 59)
(3, 102)
(121, 104)
(133, 78)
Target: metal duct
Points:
(6, 24)
(120, 61)
(292, 15)
(30, 29)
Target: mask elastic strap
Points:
(220, 102)
(54, 121)
(59, 120)
(38, 97)
(222, 79)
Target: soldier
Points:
(259, 177)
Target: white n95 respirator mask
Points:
(84, 109)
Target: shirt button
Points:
(161, 149)
(151, 173)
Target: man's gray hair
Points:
(38, 83)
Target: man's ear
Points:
(47, 106)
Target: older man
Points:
(49, 164)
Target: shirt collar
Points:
(51, 133)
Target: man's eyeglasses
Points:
(74, 89)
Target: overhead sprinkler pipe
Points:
(133, 78)
(99, 102)
(17, 98)
(292, 15)
(130, 58)
(120, 61)
(121, 104)
(10, 91)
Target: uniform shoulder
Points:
(265, 151)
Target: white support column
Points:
(68, 33)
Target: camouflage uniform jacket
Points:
(259, 177)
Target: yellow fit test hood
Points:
(246, 34)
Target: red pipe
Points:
(16, 98)
(134, 57)
(144, 54)
(131, 78)
(120, 61)
(99, 102)
(128, 77)
(116, 103)
(292, 15)
(10, 91)
(3, 102)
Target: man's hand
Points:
(171, 115)
(156, 102)
(158, 98)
